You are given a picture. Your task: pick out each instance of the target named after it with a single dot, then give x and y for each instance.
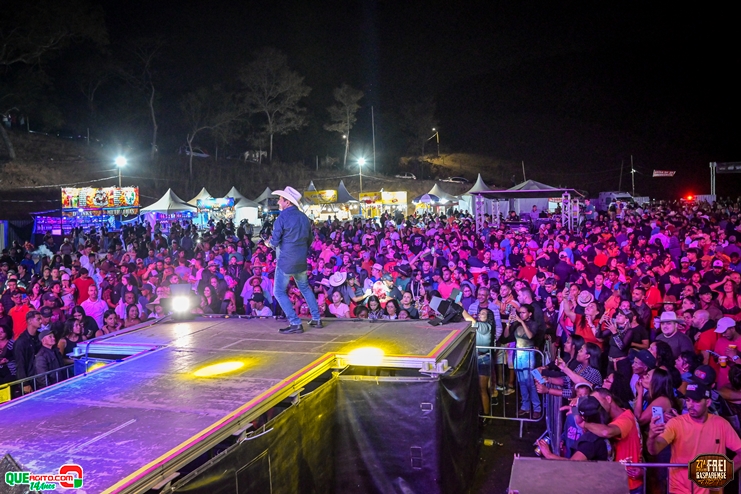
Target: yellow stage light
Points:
(95, 366)
(217, 369)
(365, 356)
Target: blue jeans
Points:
(527, 390)
(281, 295)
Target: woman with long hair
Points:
(132, 316)
(89, 326)
(375, 311)
(658, 383)
(730, 300)
(70, 338)
(110, 324)
(212, 300)
(34, 297)
(392, 309)
(524, 329)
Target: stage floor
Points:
(124, 422)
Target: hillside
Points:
(32, 182)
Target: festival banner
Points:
(369, 197)
(664, 173)
(321, 196)
(394, 198)
(100, 198)
(215, 203)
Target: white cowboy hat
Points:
(337, 278)
(669, 316)
(585, 298)
(290, 194)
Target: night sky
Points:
(571, 88)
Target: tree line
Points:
(58, 67)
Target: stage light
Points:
(690, 197)
(95, 366)
(180, 304)
(218, 369)
(365, 356)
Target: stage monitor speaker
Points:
(536, 476)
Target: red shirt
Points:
(585, 331)
(18, 314)
(628, 445)
(82, 287)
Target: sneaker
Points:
(316, 323)
(500, 387)
(292, 329)
(508, 391)
(537, 415)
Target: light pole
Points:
(120, 163)
(361, 162)
(436, 135)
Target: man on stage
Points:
(291, 239)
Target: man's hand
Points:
(731, 352)
(542, 389)
(26, 389)
(656, 429)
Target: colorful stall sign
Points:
(100, 198)
(321, 196)
(370, 197)
(215, 203)
(391, 198)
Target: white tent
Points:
(203, 194)
(169, 203)
(466, 199)
(266, 195)
(445, 198)
(244, 209)
(524, 205)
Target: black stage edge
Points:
(360, 433)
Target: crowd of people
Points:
(638, 313)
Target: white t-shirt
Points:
(95, 310)
(342, 311)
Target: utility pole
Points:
(633, 175)
(524, 178)
(620, 183)
(373, 127)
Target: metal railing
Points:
(501, 408)
(19, 388)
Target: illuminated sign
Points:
(321, 196)
(100, 198)
(215, 203)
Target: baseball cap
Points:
(46, 312)
(378, 267)
(147, 286)
(589, 406)
(44, 334)
(717, 263)
(387, 277)
(684, 259)
(697, 392)
(258, 297)
(704, 374)
(724, 323)
(644, 356)
(48, 296)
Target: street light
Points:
(361, 162)
(120, 163)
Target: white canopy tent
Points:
(466, 200)
(444, 197)
(203, 194)
(244, 209)
(168, 204)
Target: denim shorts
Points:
(484, 364)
